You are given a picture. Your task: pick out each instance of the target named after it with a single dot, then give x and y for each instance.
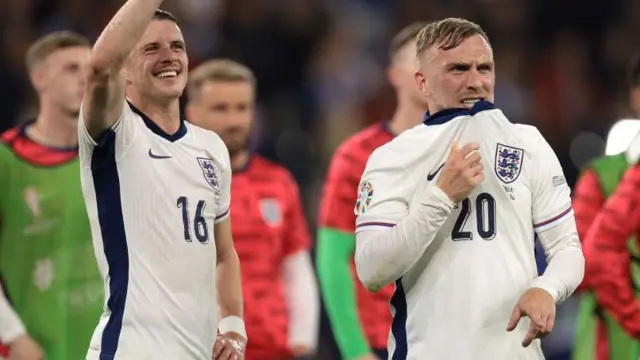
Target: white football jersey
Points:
(456, 301)
(153, 199)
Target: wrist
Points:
(443, 197)
(539, 283)
(232, 324)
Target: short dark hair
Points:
(164, 15)
(52, 42)
(403, 37)
(633, 76)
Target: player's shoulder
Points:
(361, 144)
(405, 148)
(531, 138)
(395, 156)
(210, 141)
(7, 140)
(8, 136)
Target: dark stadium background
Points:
(320, 67)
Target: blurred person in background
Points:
(46, 255)
(599, 336)
(360, 319)
(271, 234)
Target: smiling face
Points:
(157, 67)
(456, 65)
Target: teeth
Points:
(470, 101)
(167, 74)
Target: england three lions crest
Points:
(271, 211)
(508, 163)
(211, 173)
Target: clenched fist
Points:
(462, 172)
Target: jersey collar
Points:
(182, 130)
(443, 116)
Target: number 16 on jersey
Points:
(200, 227)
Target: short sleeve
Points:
(381, 201)
(340, 192)
(118, 136)
(551, 202)
(225, 186)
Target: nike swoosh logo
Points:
(432, 175)
(153, 156)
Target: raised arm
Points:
(104, 96)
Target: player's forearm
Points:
(121, 35)
(229, 284)
(334, 252)
(10, 325)
(302, 300)
(384, 255)
(565, 259)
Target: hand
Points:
(540, 307)
(229, 346)
(369, 356)
(462, 172)
(25, 348)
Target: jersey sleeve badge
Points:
(365, 194)
(508, 163)
(211, 173)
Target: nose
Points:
(474, 80)
(168, 56)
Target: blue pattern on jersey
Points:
(399, 323)
(444, 116)
(114, 240)
(182, 131)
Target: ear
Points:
(38, 79)
(392, 76)
(421, 81)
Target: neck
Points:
(406, 116)
(54, 127)
(240, 160)
(166, 115)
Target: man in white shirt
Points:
(456, 239)
(157, 191)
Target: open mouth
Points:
(471, 101)
(166, 74)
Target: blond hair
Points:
(50, 43)
(223, 70)
(446, 34)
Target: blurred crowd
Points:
(320, 68)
